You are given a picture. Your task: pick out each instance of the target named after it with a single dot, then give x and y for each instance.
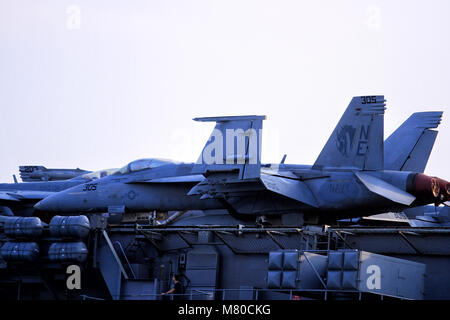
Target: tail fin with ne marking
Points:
(357, 140)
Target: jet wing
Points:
(396, 217)
(279, 173)
(385, 189)
(24, 195)
(175, 179)
(6, 196)
(295, 174)
(219, 187)
(290, 188)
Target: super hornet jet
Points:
(415, 134)
(408, 149)
(41, 173)
(19, 198)
(347, 180)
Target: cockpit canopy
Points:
(97, 174)
(143, 164)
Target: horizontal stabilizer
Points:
(385, 189)
(279, 173)
(290, 188)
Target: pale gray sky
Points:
(96, 84)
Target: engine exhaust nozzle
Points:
(431, 189)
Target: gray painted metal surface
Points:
(369, 272)
(224, 256)
(235, 262)
(41, 173)
(349, 178)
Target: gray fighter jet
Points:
(19, 198)
(41, 173)
(347, 180)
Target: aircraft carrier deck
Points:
(136, 261)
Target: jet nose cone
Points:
(47, 204)
(38, 206)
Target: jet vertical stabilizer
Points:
(409, 147)
(357, 140)
(234, 145)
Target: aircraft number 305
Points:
(368, 99)
(90, 187)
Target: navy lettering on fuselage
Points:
(339, 187)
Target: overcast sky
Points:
(96, 84)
